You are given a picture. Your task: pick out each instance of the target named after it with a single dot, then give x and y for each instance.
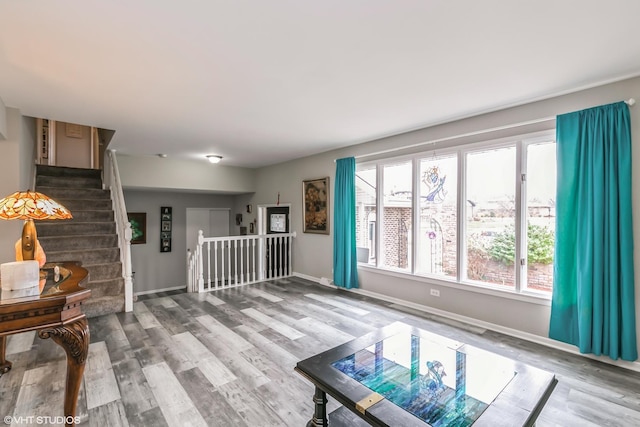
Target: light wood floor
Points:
(226, 359)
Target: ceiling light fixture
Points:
(214, 158)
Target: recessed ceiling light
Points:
(214, 158)
(162, 155)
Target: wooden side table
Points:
(57, 314)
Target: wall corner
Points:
(3, 120)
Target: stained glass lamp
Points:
(30, 205)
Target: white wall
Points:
(73, 152)
(162, 270)
(313, 253)
(14, 174)
(3, 120)
(192, 175)
(240, 206)
(27, 153)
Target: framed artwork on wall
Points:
(166, 219)
(278, 223)
(138, 221)
(315, 197)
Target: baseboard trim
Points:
(634, 366)
(155, 291)
(312, 279)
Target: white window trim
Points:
(521, 142)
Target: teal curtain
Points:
(345, 263)
(593, 290)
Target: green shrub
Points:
(540, 248)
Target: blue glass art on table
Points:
(438, 382)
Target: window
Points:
(397, 211)
(540, 215)
(366, 197)
(437, 237)
(491, 215)
(484, 214)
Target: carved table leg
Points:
(74, 339)
(320, 411)
(5, 365)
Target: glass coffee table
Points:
(404, 376)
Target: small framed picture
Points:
(278, 223)
(251, 228)
(238, 219)
(138, 221)
(249, 208)
(165, 245)
(165, 228)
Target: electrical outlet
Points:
(435, 293)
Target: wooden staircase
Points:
(90, 237)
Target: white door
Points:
(213, 223)
(219, 222)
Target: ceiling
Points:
(261, 82)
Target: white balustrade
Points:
(229, 261)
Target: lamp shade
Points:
(32, 205)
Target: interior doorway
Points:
(70, 144)
(274, 219)
(264, 218)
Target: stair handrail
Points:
(123, 228)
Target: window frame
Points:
(521, 142)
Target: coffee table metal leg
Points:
(320, 410)
(5, 365)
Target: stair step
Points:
(94, 307)
(89, 241)
(67, 171)
(103, 271)
(74, 193)
(85, 204)
(87, 216)
(84, 256)
(60, 228)
(68, 181)
(107, 287)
